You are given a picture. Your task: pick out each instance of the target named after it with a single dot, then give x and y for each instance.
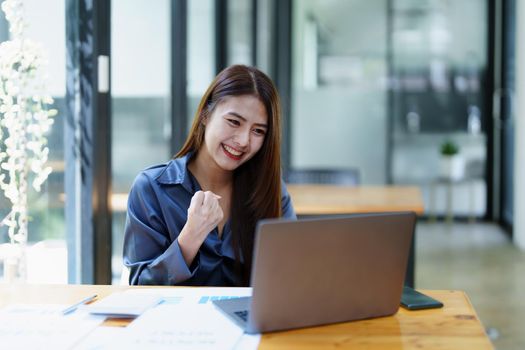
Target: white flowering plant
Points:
(25, 119)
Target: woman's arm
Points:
(151, 255)
(150, 252)
(288, 211)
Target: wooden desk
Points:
(455, 326)
(334, 199)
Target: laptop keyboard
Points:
(242, 314)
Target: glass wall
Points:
(240, 32)
(140, 83)
(382, 86)
(438, 100)
(377, 86)
(201, 52)
(339, 95)
(47, 249)
(201, 44)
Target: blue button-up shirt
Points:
(157, 211)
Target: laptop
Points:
(318, 271)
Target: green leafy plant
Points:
(449, 148)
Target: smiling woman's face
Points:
(235, 131)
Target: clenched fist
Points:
(204, 214)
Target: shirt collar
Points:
(176, 173)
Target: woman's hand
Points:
(204, 214)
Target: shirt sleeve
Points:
(149, 252)
(286, 202)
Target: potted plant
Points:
(452, 165)
(25, 119)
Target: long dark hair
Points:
(257, 183)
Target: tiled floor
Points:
(479, 259)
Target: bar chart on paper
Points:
(172, 300)
(209, 298)
(205, 299)
(196, 296)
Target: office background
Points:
(374, 86)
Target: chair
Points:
(348, 176)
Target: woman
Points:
(192, 220)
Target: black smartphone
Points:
(411, 299)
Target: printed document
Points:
(182, 327)
(43, 327)
(184, 319)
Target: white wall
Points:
(201, 64)
(333, 122)
(47, 26)
(333, 126)
(519, 148)
(140, 44)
